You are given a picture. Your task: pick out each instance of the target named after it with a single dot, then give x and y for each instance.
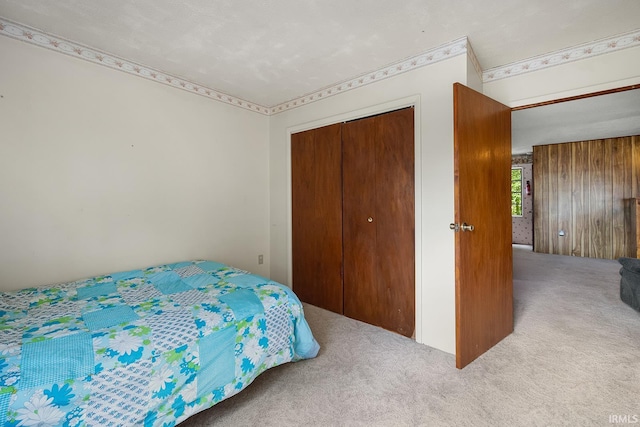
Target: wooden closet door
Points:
(378, 220)
(316, 187)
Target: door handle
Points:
(455, 227)
(467, 227)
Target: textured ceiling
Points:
(272, 52)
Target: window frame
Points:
(515, 192)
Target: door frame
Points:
(576, 97)
(410, 101)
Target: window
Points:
(516, 191)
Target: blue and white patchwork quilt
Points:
(147, 347)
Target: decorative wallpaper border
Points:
(575, 53)
(522, 159)
(432, 56)
(77, 50)
(446, 51)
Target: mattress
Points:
(148, 347)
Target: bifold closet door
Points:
(316, 190)
(378, 220)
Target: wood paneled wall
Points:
(583, 188)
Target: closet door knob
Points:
(370, 219)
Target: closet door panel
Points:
(395, 213)
(316, 187)
(378, 218)
(359, 227)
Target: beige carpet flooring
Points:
(573, 359)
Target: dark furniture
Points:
(630, 282)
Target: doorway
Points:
(560, 125)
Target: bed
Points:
(147, 347)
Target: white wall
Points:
(430, 89)
(102, 171)
(474, 78)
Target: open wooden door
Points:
(484, 269)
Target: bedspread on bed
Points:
(149, 347)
